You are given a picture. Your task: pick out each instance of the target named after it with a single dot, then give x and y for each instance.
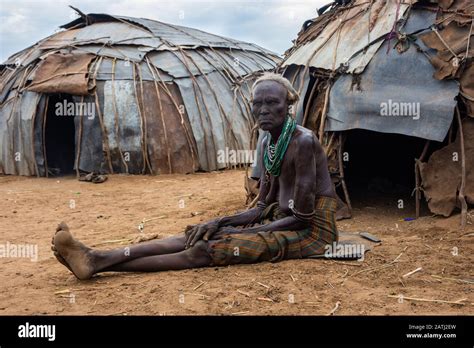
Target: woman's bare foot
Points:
(72, 253)
(55, 251)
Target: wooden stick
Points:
(196, 294)
(243, 293)
(323, 114)
(265, 299)
(254, 201)
(265, 286)
(305, 116)
(341, 175)
(239, 313)
(154, 218)
(454, 279)
(197, 287)
(335, 308)
(385, 265)
(461, 196)
(113, 241)
(412, 272)
(417, 178)
(347, 263)
(292, 278)
(458, 302)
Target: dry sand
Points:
(107, 215)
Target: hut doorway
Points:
(59, 135)
(379, 169)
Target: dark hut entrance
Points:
(380, 169)
(59, 135)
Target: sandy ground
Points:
(107, 216)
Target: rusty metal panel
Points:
(122, 71)
(299, 77)
(16, 127)
(166, 132)
(123, 123)
(91, 155)
(103, 33)
(217, 123)
(188, 37)
(38, 135)
(345, 35)
(177, 65)
(124, 52)
(7, 165)
(238, 124)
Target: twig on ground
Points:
(265, 299)
(458, 302)
(197, 287)
(243, 293)
(358, 264)
(196, 294)
(412, 272)
(114, 241)
(335, 308)
(454, 279)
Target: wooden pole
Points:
(417, 178)
(461, 196)
(323, 114)
(341, 175)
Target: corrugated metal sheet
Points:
(392, 81)
(217, 123)
(123, 122)
(106, 33)
(182, 36)
(16, 129)
(346, 35)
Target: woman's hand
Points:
(204, 231)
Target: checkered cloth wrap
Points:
(278, 245)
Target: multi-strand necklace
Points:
(274, 153)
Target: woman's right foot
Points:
(72, 253)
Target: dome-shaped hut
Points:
(115, 94)
(388, 87)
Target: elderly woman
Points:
(294, 217)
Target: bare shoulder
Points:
(304, 138)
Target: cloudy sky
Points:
(272, 24)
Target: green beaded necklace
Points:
(273, 156)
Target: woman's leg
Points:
(151, 256)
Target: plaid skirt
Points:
(278, 245)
